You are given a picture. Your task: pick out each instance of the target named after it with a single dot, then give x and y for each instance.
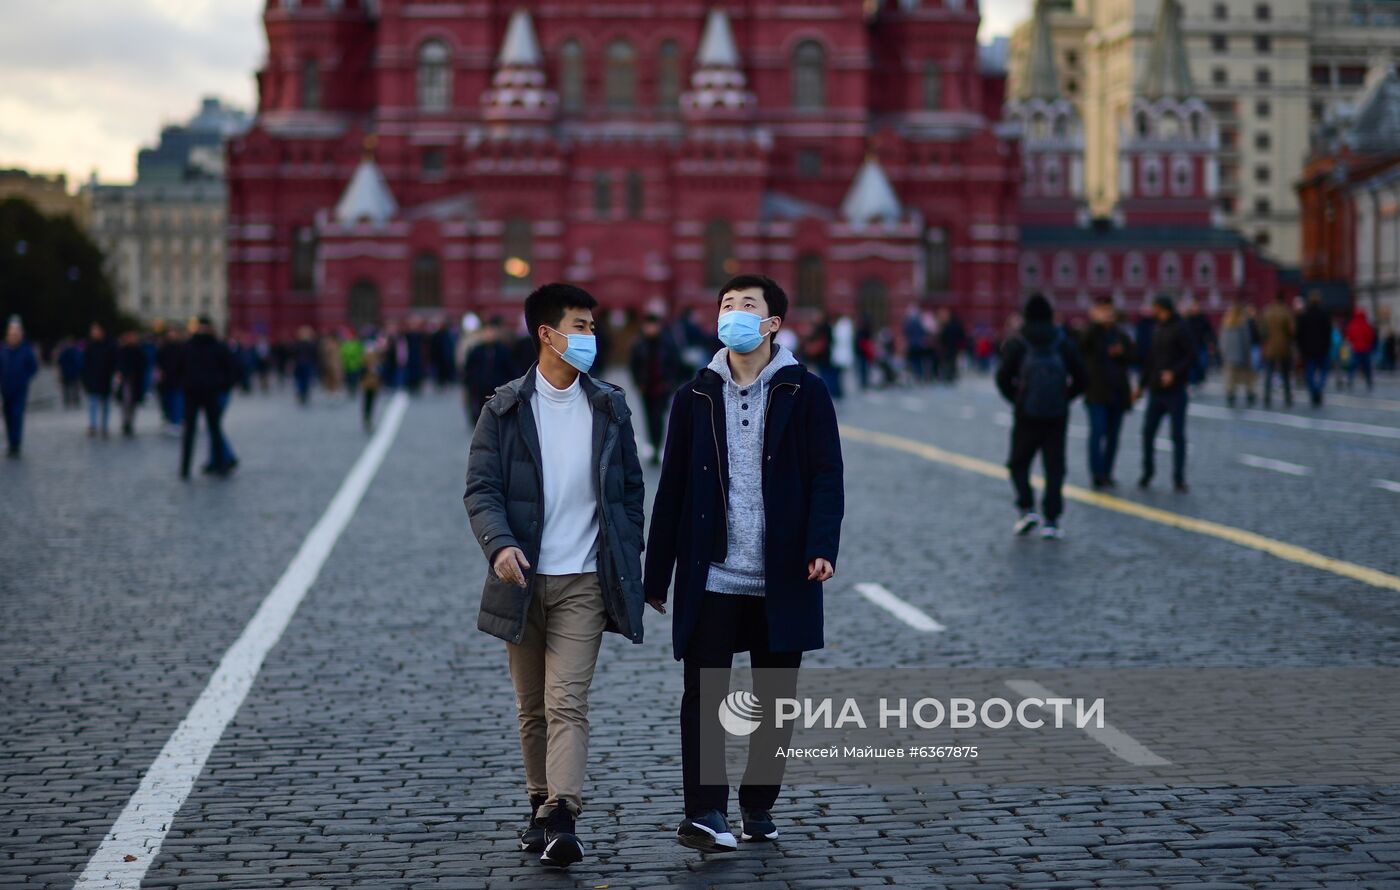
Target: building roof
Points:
(1128, 237)
(520, 48)
(1376, 129)
(1168, 72)
(1042, 81)
(717, 46)
(871, 197)
(367, 198)
(779, 205)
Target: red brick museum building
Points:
(422, 157)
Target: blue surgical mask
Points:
(740, 331)
(583, 349)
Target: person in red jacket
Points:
(1362, 337)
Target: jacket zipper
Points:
(719, 464)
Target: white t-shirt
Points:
(564, 421)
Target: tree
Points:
(51, 275)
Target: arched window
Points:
(1143, 125)
(1151, 176)
(304, 258)
(668, 75)
(620, 75)
(936, 266)
(811, 281)
(873, 302)
(933, 86)
(1205, 270)
(602, 194)
(362, 305)
(310, 84)
(1030, 270)
(720, 265)
(636, 196)
(1098, 270)
(1170, 270)
(427, 281)
(1052, 176)
(1135, 269)
(571, 75)
(1181, 176)
(1064, 269)
(516, 255)
(434, 76)
(809, 76)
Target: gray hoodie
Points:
(745, 411)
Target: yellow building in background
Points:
(49, 193)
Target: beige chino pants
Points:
(551, 668)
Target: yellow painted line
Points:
(1281, 549)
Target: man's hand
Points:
(819, 570)
(1167, 378)
(511, 565)
(1137, 394)
(658, 605)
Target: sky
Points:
(88, 82)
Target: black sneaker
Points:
(758, 825)
(561, 846)
(532, 838)
(708, 833)
(1026, 524)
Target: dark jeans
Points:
(1031, 436)
(14, 417)
(1284, 369)
(367, 407)
(1105, 422)
(1315, 373)
(730, 623)
(1361, 361)
(1161, 404)
(655, 409)
(195, 402)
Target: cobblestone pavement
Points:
(377, 747)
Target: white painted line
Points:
(136, 837)
(1278, 466)
(910, 615)
(1118, 742)
(1292, 420)
(1370, 402)
(1387, 485)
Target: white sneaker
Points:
(1026, 524)
(1051, 533)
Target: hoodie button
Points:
(743, 392)
(745, 406)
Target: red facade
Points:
(643, 151)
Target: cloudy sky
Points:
(87, 82)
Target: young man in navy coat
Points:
(747, 520)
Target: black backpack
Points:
(1043, 393)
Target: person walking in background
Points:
(1387, 341)
(1108, 354)
(490, 365)
(915, 342)
(1166, 372)
(370, 381)
(328, 361)
(1237, 354)
(1279, 331)
(131, 379)
(1203, 337)
(656, 371)
(952, 339)
(1361, 337)
(352, 361)
(1041, 373)
(555, 497)
(70, 373)
(747, 520)
(1315, 347)
(305, 357)
(99, 369)
(866, 352)
(817, 349)
(443, 353)
(18, 365)
(205, 367)
(168, 387)
(843, 349)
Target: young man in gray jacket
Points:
(554, 493)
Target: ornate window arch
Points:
(811, 281)
(1099, 270)
(571, 75)
(1169, 269)
(620, 75)
(668, 74)
(933, 86)
(426, 290)
(809, 76)
(434, 76)
(310, 84)
(1135, 269)
(1205, 270)
(719, 252)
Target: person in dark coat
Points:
(206, 371)
(70, 373)
(1315, 346)
(489, 365)
(306, 357)
(952, 338)
(443, 349)
(18, 365)
(555, 497)
(747, 523)
(656, 370)
(1040, 374)
(99, 369)
(1166, 371)
(168, 386)
(132, 367)
(1108, 355)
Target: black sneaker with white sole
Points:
(532, 838)
(561, 845)
(708, 833)
(1026, 524)
(758, 825)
